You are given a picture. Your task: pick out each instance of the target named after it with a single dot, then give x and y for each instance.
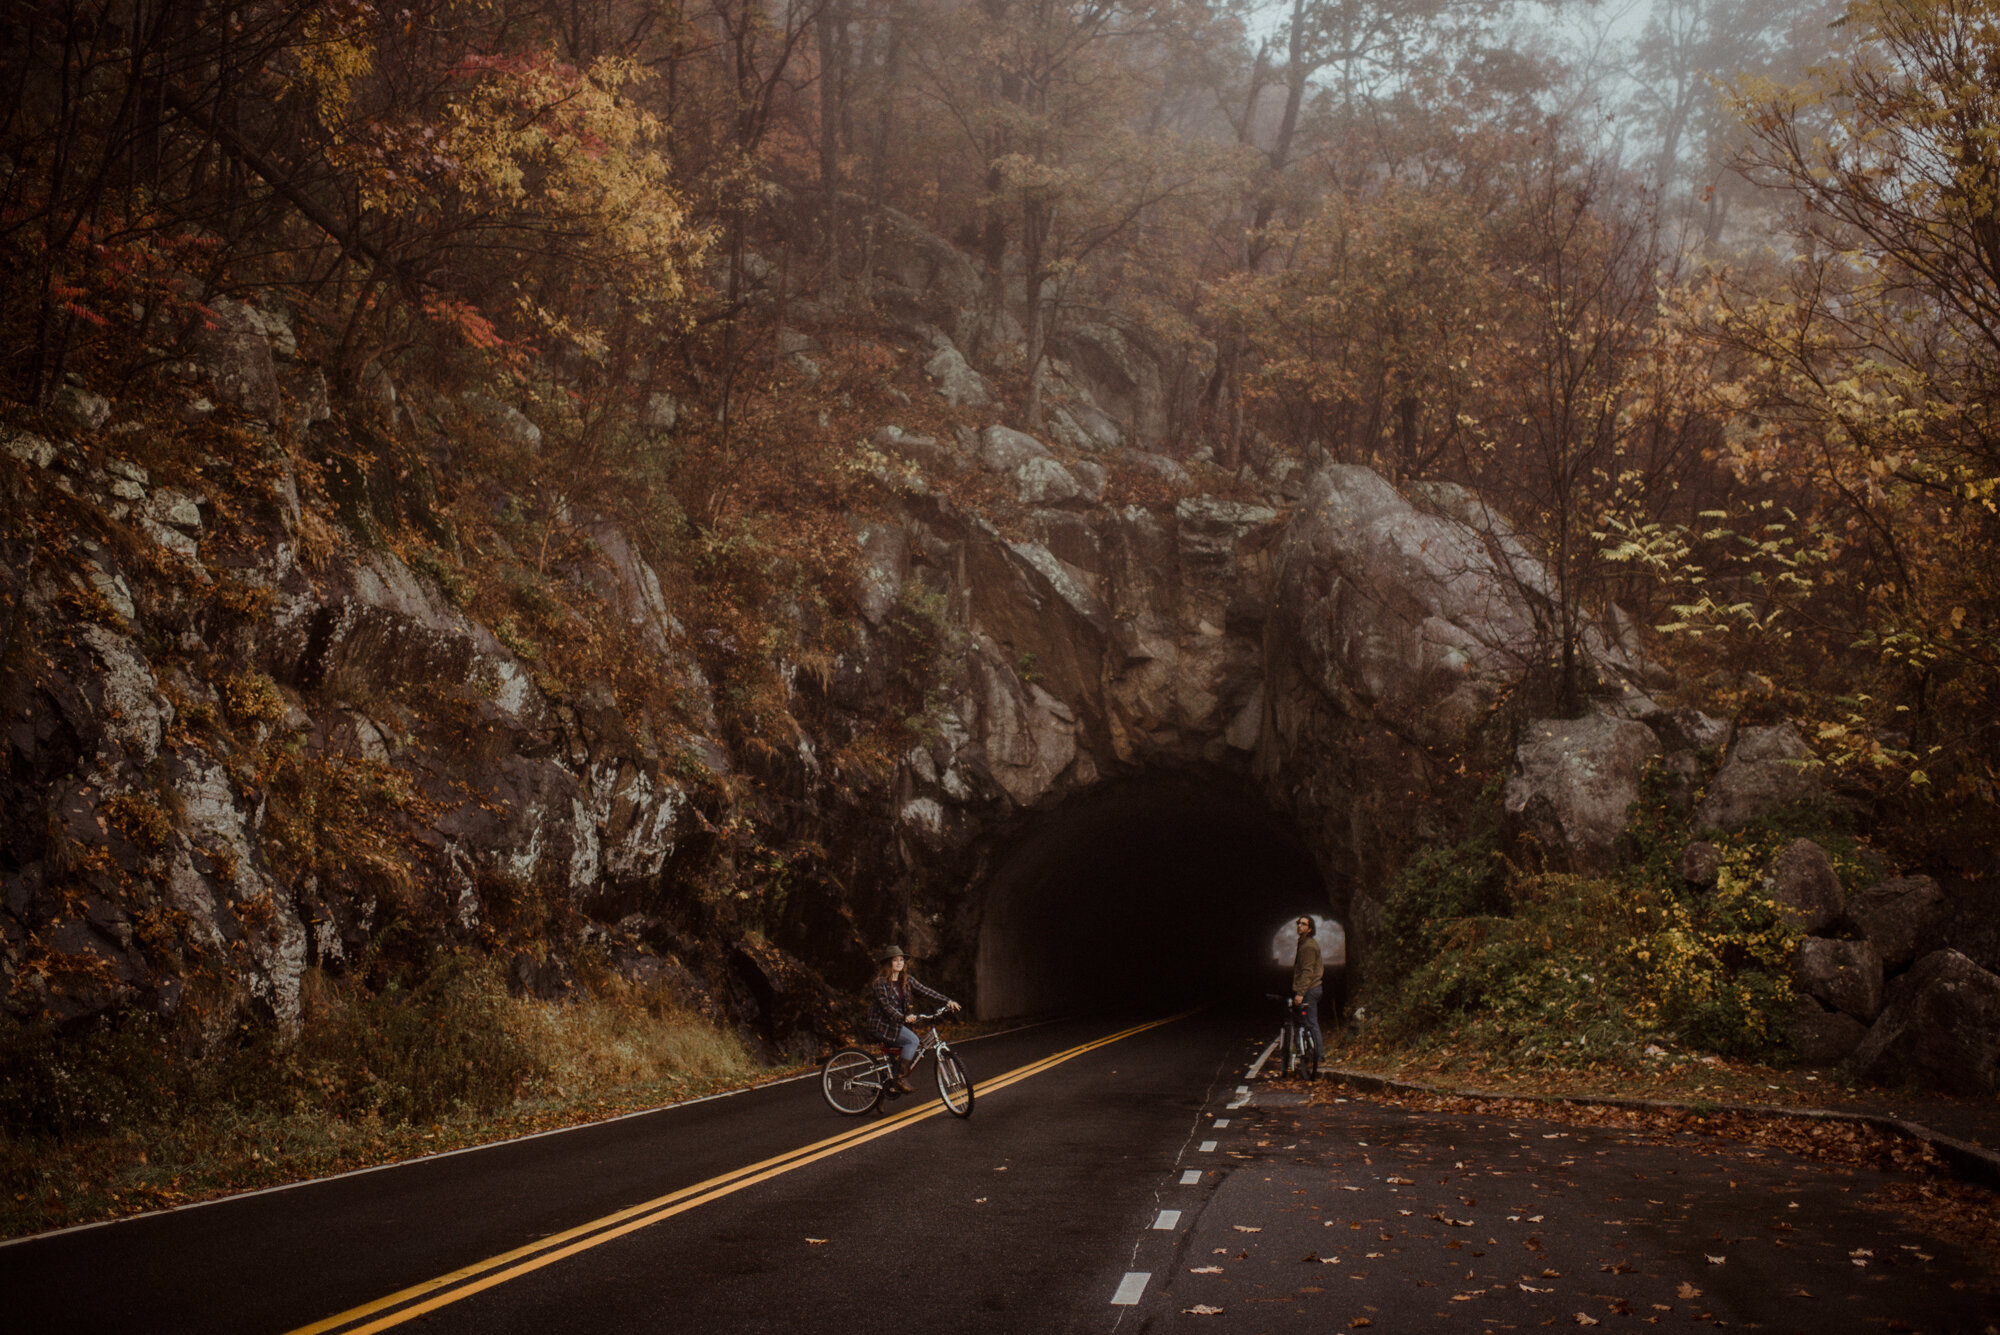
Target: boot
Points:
(896, 1082)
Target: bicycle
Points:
(1297, 1052)
(856, 1079)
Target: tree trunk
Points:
(832, 80)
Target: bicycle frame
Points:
(870, 1071)
(1291, 1030)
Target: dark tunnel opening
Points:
(1154, 891)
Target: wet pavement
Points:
(1359, 1214)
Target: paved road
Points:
(1358, 1215)
(1116, 1191)
(998, 1222)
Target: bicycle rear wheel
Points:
(1308, 1054)
(954, 1085)
(1290, 1047)
(852, 1080)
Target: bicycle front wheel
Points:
(852, 1081)
(954, 1085)
(1308, 1054)
(1290, 1048)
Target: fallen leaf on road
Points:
(1534, 1219)
(1204, 1270)
(1687, 1290)
(1715, 1260)
(1455, 1223)
(1359, 1322)
(1583, 1320)
(1529, 1288)
(1202, 1309)
(1616, 1268)
(1402, 1181)
(1246, 1228)
(817, 1242)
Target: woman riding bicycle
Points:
(889, 1006)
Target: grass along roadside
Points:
(371, 1082)
(1659, 1073)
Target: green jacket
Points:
(1307, 972)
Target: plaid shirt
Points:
(889, 1003)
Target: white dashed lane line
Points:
(1130, 1287)
(1133, 1286)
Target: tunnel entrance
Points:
(1158, 890)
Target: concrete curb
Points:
(1969, 1162)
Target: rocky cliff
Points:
(248, 737)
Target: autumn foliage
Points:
(1732, 382)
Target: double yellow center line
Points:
(432, 1294)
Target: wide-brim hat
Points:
(887, 953)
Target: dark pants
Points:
(1312, 996)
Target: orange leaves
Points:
(474, 328)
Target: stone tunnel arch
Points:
(1157, 889)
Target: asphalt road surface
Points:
(1130, 1185)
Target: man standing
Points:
(1308, 975)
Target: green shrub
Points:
(1562, 968)
(1440, 884)
(409, 1053)
(57, 1082)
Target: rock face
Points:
(1806, 886)
(1701, 863)
(1902, 918)
(1766, 770)
(1573, 784)
(1940, 1027)
(1821, 1036)
(1846, 975)
(227, 686)
(1398, 612)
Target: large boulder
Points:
(957, 383)
(1120, 371)
(1805, 885)
(1701, 864)
(1767, 770)
(1574, 780)
(1941, 1027)
(234, 342)
(1003, 449)
(1846, 975)
(926, 452)
(1398, 613)
(1822, 1036)
(1902, 917)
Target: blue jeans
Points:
(1312, 996)
(907, 1038)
